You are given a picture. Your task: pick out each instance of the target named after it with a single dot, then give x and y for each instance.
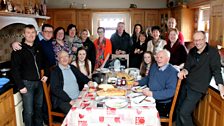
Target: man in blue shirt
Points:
(161, 82)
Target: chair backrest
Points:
(47, 96)
(125, 56)
(175, 98)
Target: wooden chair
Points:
(170, 118)
(51, 113)
(125, 56)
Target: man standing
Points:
(161, 80)
(121, 40)
(202, 63)
(26, 66)
(171, 23)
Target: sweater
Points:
(161, 83)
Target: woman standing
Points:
(72, 39)
(89, 46)
(82, 62)
(103, 47)
(177, 50)
(59, 44)
(136, 32)
(156, 44)
(138, 50)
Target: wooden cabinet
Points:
(62, 17)
(209, 111)
(216, 34)
(7, 113)
(137, 17)
(150, 17)
(185, 21)
(84, 19)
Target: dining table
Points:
(92, 110)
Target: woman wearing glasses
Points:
(103, 47)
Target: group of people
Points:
(69, 61)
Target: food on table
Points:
(105, 87)
(125, 75)
(112, 92)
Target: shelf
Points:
(14, 14)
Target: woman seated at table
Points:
(66, 83)
(147, 61)
(161, 82)
(82, 62)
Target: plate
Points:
(103, 70)
(116, 103)
(136, 89)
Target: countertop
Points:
(213, 84)
(6, 87)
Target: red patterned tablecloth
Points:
(91, 115)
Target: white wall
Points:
(107, 3)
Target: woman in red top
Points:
(103, 47)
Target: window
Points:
(109, 22)
(203, 22)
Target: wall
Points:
(107, 3)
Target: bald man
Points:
(161, 80)
(172, 23)
(202, 63)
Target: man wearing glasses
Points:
(202, 63)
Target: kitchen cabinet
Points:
(209, 111)
(62, 17)
(84, 19)
(185, 21)
(137, 17)
(150, 17)
(216, 33)
(7, 113)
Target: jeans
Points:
(187, 103)
(32, 103)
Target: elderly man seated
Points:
(66, 83)
(161, 82)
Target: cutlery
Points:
(137, 96)
(142, 99)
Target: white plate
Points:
(116, 103)
(136, 89)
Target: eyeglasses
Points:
(49, 32)
(100, 32)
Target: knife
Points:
(142, 99)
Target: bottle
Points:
(123, 81)
(118, 82)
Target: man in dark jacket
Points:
(26, 66)
(121, 40)
(66, 83)
(202, 63)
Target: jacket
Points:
(57, 83)
(26, 64)
(201, 68)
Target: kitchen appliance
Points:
(18, 109)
